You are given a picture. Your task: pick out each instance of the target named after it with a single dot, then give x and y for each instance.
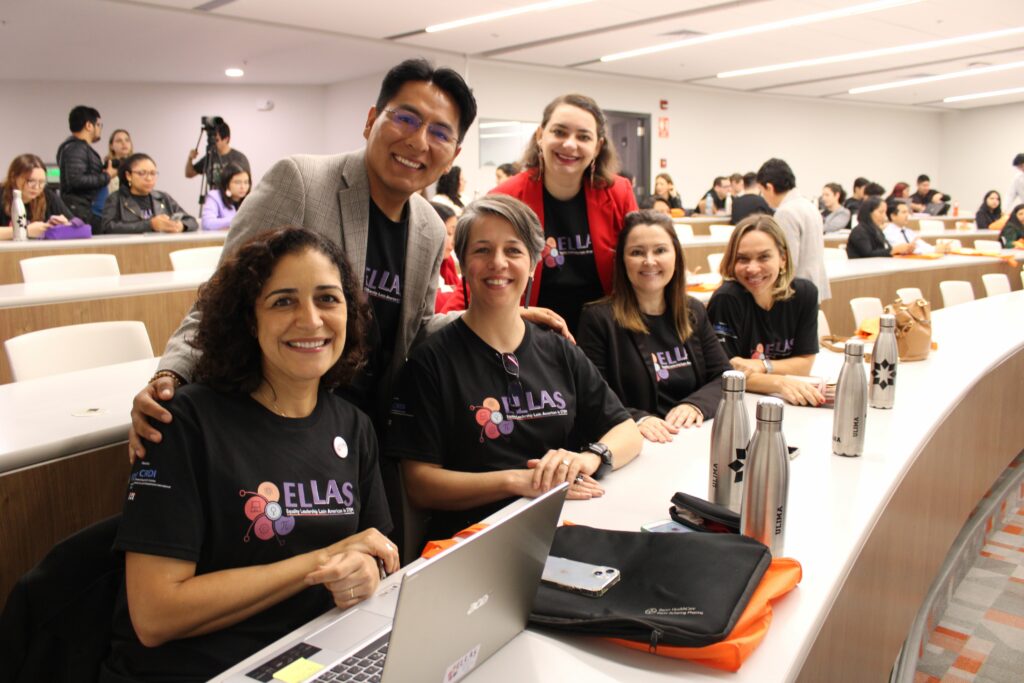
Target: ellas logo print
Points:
(556, 249)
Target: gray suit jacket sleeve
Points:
(276, 201)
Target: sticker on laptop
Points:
(462, 666)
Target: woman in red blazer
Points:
(570, 182)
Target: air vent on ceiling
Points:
(684, 33)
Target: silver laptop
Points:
(449, 614)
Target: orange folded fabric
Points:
(781, 577)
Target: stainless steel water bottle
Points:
(19, 218)
(766, 490)
(730, 434)
(884, 359)
(851, 411)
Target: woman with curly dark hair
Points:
(265, 489)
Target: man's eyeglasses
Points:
(438, 135)
(515, 388)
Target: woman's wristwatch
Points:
(602, 451)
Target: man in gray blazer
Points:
(366, 201)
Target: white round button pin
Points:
(340, 447)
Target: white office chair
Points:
(714, 262)
(200, 258)
(684, 231)
(76, 347)
(908, 294)
(865, 307)
(930, 226)
(996, 283)
(823, 329)
(835, 254)
(719, 231)
(68, 266)
(988, 245)
(956, 292)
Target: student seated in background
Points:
(119, 148)
(836, 216)
(223, 155)
(750, 201)
(43, 207)
(449, 280)
(896, 231)
(990, 211)
(139, 207)
(651, 342)
(450, 187)
(665, 189)
(262, 507)
(719, 193)
(492, 407)
(867, 239)
(736, 187)
(765, 317)
(900, 192)
(1014, 228)
(926, 199)
(852, 203)
(223, 202)
(873, 190)
(505, 171)
(656, 204)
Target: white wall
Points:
(345, 112)
(977, 146)
(714, 133)
(164, 121)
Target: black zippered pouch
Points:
(701, 515)
(684, 590)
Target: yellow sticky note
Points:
(298, 671)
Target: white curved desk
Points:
(870, 531)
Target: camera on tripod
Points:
(210, 124)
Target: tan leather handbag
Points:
(913, 328)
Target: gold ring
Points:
(565, 461)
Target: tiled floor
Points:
(980, 637)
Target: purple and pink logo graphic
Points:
(491, 420)
(553, 258)
(264, 510)
(660, 373)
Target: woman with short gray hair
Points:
(493, 407)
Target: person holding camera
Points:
(139, 207)
(221, 133)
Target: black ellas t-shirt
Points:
(569, 278)
(233, 485)
(457, 407)
(746, 330)
(382, 282)
(674, 376)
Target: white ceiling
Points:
(328, 41)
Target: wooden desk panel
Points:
(869, 620)
(162, 312)
(47, 503)
(884, 286)
(139, 255)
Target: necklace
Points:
(273, 404)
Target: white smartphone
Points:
(579, 577)
(666, 526)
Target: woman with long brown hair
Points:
(44, 208)
(570, 181)
(652, 343)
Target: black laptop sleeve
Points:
(685, 590)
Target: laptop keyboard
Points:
(365, 665)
